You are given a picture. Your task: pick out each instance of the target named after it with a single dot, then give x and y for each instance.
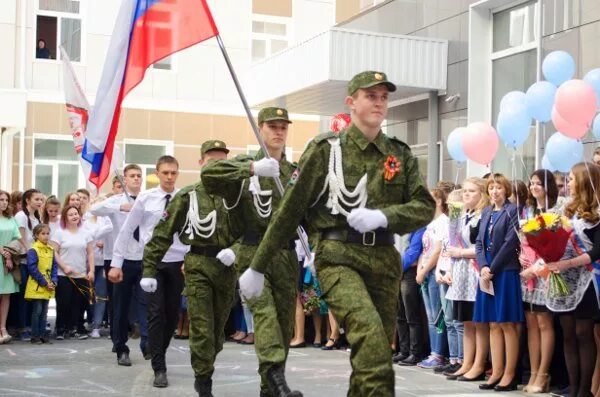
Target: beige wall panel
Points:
(345, 9)
(160, 125)
(191, 129)
(27, 181)
(46, 118)
(134, 124)
(187, 178)
(301, 132)
(234, 131)
(188, 157)
(282, 8)
(63, 120)
(28, 150)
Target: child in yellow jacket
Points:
(42, 280)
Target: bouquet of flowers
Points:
(455, 210)
(548, 234)
(310, 299)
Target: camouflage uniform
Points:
(274, 310)
(359, 274)
(210, 285)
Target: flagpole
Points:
(259, 137)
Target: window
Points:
(58, 23)
(56, 167)
(270, 35)
(145, 154)
(514, 67)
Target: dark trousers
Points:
(410, 323)
(109, 293)
(163, 311)
(71, 295)
(125, 293)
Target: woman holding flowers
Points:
(543, 195)
(463, 281)
(579, 306)
(498, 300)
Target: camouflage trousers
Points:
(210, 288)
(274, 314)
(365, 305)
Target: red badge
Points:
(391, 167)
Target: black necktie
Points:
(136, 232)
(167, 199)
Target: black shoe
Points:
(442, 368)
(478, 378)
(298, 346)
(147, 355)
(489, 386)
(278, 385)
(336, 344)
(114, 349)
(160, 379)
(46, 340)
(35, 340)
(510, 387)
(124, 359)
(410, 361)
(399, 357)
(451, 369)
(203, 387)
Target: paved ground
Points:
(88, 368)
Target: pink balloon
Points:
(480, 142)
(576, 102)
(571, 130)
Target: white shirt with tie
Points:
(145, 214)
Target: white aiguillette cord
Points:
(201, 227)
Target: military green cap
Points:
(369, 79)
(213, 144)
(271, 114)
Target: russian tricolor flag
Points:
(145, 32)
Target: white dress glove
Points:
(226, 256)
(309, 263)
(266, 167)
(148, 284)
(365, 220)
(251, 283)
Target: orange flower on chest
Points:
(390, 167)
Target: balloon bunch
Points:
(569, 103)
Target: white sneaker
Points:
(95, 333)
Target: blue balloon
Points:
(593, 78)
(513, 125)
(454, 145)
(540, 99)
(558, 67)
(596, 126)
(547, 165)
(563, 152)
(517, 97)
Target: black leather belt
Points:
(255, 239)
(378, 238)
(205, 251)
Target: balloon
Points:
(517, 97)
(513, 125)
(454, 145)
(540, 99)
(547, 165)
(558, 67)
(596, 126)
(563, 153)
(576, 102)
(480, 142)
(571, 130)
(593, 78)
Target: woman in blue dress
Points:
(497, 250)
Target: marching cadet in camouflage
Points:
(201, 221)
(357, 190)
(247, 183)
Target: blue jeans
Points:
(101, 295)
(39, 313)
(125, 293)
(433, 307)
(454, 329)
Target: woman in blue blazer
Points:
(497, 250)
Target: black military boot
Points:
(203, 386)
(278, 385)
